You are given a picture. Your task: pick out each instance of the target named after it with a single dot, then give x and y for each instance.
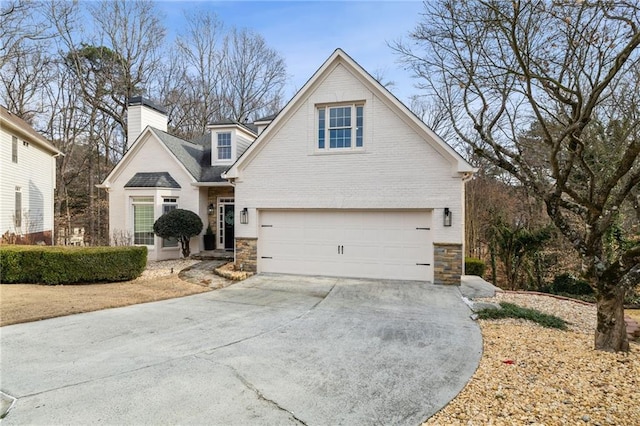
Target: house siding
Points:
(398, 169)
(242, 144)
(35, 174)
(150, 155)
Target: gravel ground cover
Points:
(531, 375)
(165, 268)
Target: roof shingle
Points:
(152, 180)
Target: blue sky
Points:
(305, 33)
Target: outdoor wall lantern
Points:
(244, 216)
(447, 216)
(210, 209)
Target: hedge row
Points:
(473, 266)
(70, 265)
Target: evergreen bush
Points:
(473, 266)
(568, 284)
(70, 265)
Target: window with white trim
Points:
(14, 149)
(340, 127)
(17, 217)
(169, 204)
(224, 146)
(142, 220)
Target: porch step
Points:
(213, 255)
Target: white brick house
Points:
(347, 181)
(344, 181)
(27, 181)
(161, 172)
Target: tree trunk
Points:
(186, 250)
(611, 331)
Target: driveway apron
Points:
(274, 349)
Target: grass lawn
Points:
(32, 302)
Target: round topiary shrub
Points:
(179, 224)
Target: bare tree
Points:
(216, 74)
(530, 86)
(192, 82)
(25, 40)
(120, 60)
(20, 25)
(254, 76)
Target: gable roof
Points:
(194, 156)
(340, 57)
(152, 180)
(187, 153)
(10, 120)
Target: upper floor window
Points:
(340, 127)
(14, 149)
(224, 146)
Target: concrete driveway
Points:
(271, 350)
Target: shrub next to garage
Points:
(473, 266)
(67, 265)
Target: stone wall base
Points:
(247, 254)
(447, 259)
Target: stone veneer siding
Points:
(212, 198)
(247, 254)
(447, 263)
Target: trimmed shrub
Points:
(179, 224)
(568, 284)
(473, 266)
(70, 265)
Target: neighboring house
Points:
(27, 182)
(344, 181)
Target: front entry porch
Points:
(221, 212)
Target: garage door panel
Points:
(368, 244)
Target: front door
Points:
(228, 226)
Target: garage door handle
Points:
(340, 249)
(423, 264)
(424, 229)
(266, 257)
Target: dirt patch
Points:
(633, 313)
(32, 302)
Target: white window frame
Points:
(356, 130)
(167, 201)
(217, 146)
(14, 149)
(136, 200)
(17, 215)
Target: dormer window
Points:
(224, 146)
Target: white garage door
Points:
(348, 243)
